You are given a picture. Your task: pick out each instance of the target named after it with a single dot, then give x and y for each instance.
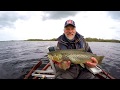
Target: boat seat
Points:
(44, 71)
(49, 74)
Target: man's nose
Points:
(70, 30)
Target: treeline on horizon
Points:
(87, 39)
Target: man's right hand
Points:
(64, 65)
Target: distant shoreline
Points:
(87, 39)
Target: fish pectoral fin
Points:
(81, 64)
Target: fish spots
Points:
(75, 56)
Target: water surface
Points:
(18, 57)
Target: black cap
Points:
(69, 22)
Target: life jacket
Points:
(78, 43)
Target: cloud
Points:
(112, 27)
(114, 15)
(30, 24)
(58, 14)
(7, 18)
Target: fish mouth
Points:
(50, 57)
(57, 58)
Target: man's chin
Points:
(70, 38)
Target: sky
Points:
(23, 25)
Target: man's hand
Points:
(64, 65)
(93, 63)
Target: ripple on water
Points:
(17, 58)
(16, 69)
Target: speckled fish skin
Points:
(74, 55)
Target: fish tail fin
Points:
(100, 58)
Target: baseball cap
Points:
(69, 22)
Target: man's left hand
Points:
(93, 63)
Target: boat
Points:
(48, 70)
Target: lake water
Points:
(18, 57)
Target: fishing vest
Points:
(78, 43)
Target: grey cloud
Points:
(112, 27)
(58, 14)
(7, 18)
(118, 31)
(114, 14)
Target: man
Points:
(71, 39)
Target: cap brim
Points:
(69, 25)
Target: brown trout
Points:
(76, 56)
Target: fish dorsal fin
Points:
(82, 49)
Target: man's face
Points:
(70, 32)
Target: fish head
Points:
(55, 57)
